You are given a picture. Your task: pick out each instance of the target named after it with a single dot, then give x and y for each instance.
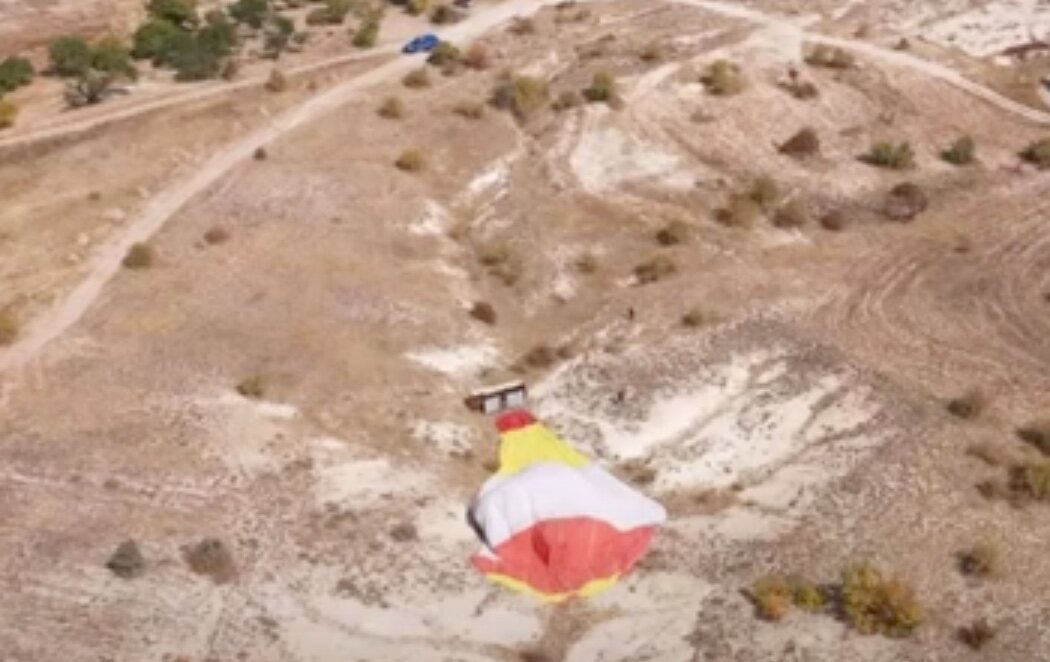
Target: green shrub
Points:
(443, 54)
(960, 152)
(772, 597)
(872, 604)
(112, 56)
(979, 561)
(391, 108)
(70, 56)
(723, 78)
(139, 256)
(410, 160)
(152, 40)
(416, 79)
(1038, 153)
(8, 325)
(521, 95)
(276, 32)
(765, 193)
(602, 88)
(252, 13)
(740, 211)
(808, 596)
(14, 73)
(178, 12)
(193, 60)
(367, 34)
(897, 156)
(8, 113)
(832, 57)
(218, 35)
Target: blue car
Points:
(421, 44)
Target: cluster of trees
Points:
(14, 73)
(176, 37)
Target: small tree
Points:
(88, 89)
(252, 13)
(276, 33)
(8, 113)
(602, 88)
(218, 35)
(112, 56)
(14, 73)
(177, 12)
(153, 39)
(1038, 153)
(367, 34)
(960, 152)
(70, 56)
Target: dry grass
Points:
(522, 26)
(976, 635)
(651, 52)
(961, 152)
(252, 387)
(211, 557)
(216, 236)
(1036, 435)
(740, 211)
(873, 604)
(1030, 481)
(404, 532)
(723, 78)
(277, 82)
(638, 472)
(139, 256)
(476, 57)
(417, 79)
(656, 269)
(831, 57)
(9, 327)
(1038, 153)
(981, 560)
(566, 100)
(521, 95)
(391, 108)
(410, 160)
(126, 561)
(765, 193)
(904, 202)
(470, 110)
(674, 233)
(693, 319)
(833, 221)
(895, 156)
(772, 597)
(587, 263)
(502, 263)
(602, 88)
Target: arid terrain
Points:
(237, 325)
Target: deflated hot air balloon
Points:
(554, 524)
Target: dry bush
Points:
(216, 235)
(541, 356)
(277, 81)
(638, 472)
(471, 110)
(391, 108)
(740, 212)
(566, 100)
(8, 328)
(410, 160)
(967, 406)
(904, 202)
(1030, 481)
(139, 256)
(723, 78)
(765, 193)
(586, 263)
(808, 596)
(895, 156)
(404, 532)
(416, 79)
(802, 144)
(521, 95)
(772, 597)
(693, 318)
(444, 54)
(502, 263)
(979, 561)
(872, 604)
(961, 152)
(476, 57)
(793, 214)
(989, 453)
(483, 312)
(8, 113)
(976, 634)
(522, 25)
(1036, 435)
(832, 57)
(444, 15)
(1038, 153)
(126, 561)
(655, 269)
(602, 88)
(252, 387)
(260, 154)
(833, 221)
(674, 233)
(651, 53)
(212, 558)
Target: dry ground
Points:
(799, 427)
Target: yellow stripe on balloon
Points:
(534, 443)
(588, 590)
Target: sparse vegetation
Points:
(976, 634)
(587, 263)
(979, 561)
(277, 81)
(602, 88)
(675, 232)
(126, 561)
(521, 95)
(416, 79)
(444, 54)
(444, 14)
(181, 13)
(404, 532)
(522, 25)
(1036, 435)
(332, 13)
(896, 156)
(833, 220)
(471, 110)
(139, 256)
(740, 211)
(693, 318)
(483, 312)
(772, 597)
(253, 386)
(216, 235)
(416, 7)
(802, 144)
(1030, 481)
(567, 99)
(904, 202)
(391, 108)
(765, 193)
(638, 472)
(260, 154)
(410, 160)
(656, 269)
(831, 57)
(873, 604)
(807, 596)
(14, 73)
(961, 152)
(723, 78)
(501, 262)
(212, 558)
(792, 214)
(8, 113)
(8, 327)
(541, 356)
(69, 56)
(476, 57)
(1038, 153)
(651, 53)
(967, 406)
(367, 34)
(113, 56)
